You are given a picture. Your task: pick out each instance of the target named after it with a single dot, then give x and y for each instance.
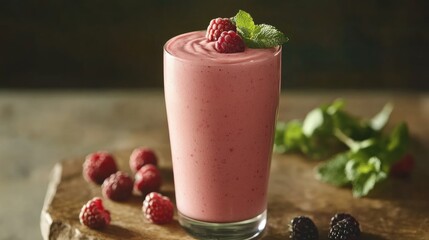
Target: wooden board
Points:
(397, 210)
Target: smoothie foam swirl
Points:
(194, 46)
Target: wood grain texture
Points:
(397, 209)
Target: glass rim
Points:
(278, 50)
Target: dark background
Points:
(118, 43)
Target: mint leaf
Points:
(318, 122)
(326, 127)
(398, 139)
(313, 121)
(288, 136)
(397, 143)
(379, 121)
(293, 136)
(257, 36)
(364, 173)
(352, 126)
(336, 106)
(265, 36)
(279, 145)
(370, 155)
(244, 23)
(332, 171)
(364, 183)
(351, 143)
(356, 167)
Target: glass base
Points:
(247, 229)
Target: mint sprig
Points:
(257, 36)
(315, 135)
(367, 154)
(366, 162)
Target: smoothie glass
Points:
(221, 111)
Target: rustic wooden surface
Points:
(397, 209)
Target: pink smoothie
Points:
(221, 112)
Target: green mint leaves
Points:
(366, 162)
(316, 137)
(362, 155)
(257, 36)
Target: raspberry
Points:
(345, 229)
(147, 179)
(303, 228)
(142, 156)
(229, 42)
(98, 166)
(117, 187)
(341, 216)
(93, 214)
(403, 167)
(157, 208)
(217, 26)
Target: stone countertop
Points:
(40, 128)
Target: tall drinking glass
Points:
(221, 111)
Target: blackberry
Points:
(341, 216)
(303, 228)
(344, 229)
